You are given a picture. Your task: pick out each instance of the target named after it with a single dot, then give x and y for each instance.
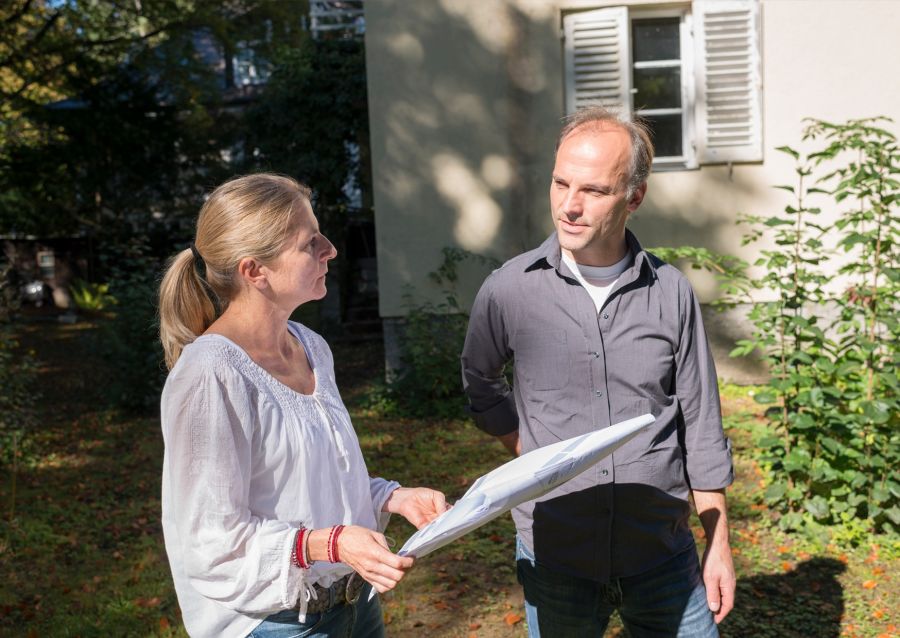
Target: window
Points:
(692, 72)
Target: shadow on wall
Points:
(457, 90)
(466, 99)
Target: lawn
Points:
(82, 553)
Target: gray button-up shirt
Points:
(577, 371)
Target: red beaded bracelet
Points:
(333, 556)
(337, 532)
(298, 556)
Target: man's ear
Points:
(637, 197)
(253, 273)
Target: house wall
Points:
(465, 100)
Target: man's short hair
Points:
(641, 144)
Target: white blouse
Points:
(247, 462)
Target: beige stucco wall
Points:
(466, 96)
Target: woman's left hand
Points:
(418, 505)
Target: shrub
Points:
(130, 340)
(429, 383)
(833, 355)
(91, 297)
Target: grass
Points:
(82, 554)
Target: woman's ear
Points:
(252, 273)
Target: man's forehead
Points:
(604, 131)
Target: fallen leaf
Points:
(843, 558)
(512, 618)
(786, 566)
(475, 625)
(164, 624)
(440, 604)
(784, 549)
(870, 584)
(878, 614)
(878, 570)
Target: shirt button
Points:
(605, 316)
(604, 472)
(596, 355)
(599, 393)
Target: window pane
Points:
(666, 131)
(655, 39)
(657, 88)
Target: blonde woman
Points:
(272, 524)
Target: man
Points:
(602, 331)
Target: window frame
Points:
(721, 43)
(688, 158)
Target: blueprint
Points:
(524, 478)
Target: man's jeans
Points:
(360, 620)
(669, 600)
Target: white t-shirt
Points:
(248, 461)
(598, 280)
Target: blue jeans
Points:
(360, 620)
(669, 600)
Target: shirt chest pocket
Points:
(542, 359)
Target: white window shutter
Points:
(729, 81)
(598, 59)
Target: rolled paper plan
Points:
(524, 478)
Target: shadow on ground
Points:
(808, 601)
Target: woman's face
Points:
(298, 274)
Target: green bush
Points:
(130, 340)
(91, 297)
(429, 382)
(833, 355)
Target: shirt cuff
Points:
(710, 468)
(499, 419)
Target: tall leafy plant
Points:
(832, 348)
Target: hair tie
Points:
(196, 253)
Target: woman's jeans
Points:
(360, 620)
(668, 600)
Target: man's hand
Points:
(717, 564)
(511, 442)
(418, 505)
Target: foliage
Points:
(833, 354)
(91, 297)
(730, 271)
(119, 118)
(18, 371)
(431, 340)
(131, 338)
(312, 121)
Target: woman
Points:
(271, 522)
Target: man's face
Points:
(587, 194)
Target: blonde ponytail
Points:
(185, 307)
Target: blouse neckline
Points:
(268, 375)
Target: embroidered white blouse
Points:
(247, 462)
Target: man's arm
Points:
(717, 565)
(484, 357)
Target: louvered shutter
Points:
(597, 59)
(729, 84)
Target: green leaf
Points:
(817, 506)
(789, 151)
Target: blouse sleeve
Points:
(381, 490)
(229, 554)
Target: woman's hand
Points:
(367, 552)
(418, 505)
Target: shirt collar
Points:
(549, 252)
